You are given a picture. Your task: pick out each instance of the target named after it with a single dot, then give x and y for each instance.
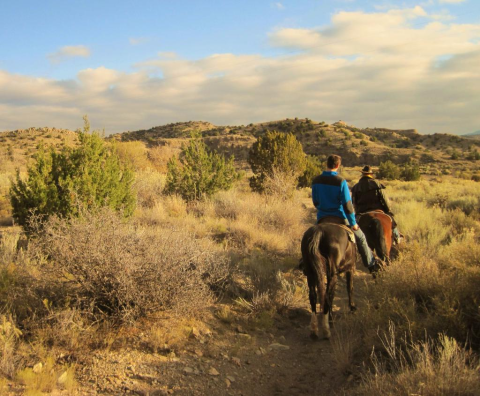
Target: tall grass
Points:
(429, 368)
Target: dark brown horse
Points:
(326, 252)
(377, 227)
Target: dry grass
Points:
(9, 336)
(423, 368)
(432, 288)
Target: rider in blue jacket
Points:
(331, 197)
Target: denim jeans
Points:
(396, 234)
(365, 252)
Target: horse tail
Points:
(376, 228)
(318, 264)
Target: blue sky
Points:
(133, 65)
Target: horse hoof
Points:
(353, 309)
(314, 336)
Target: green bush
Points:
(388, 170)
(275, 152)
(314, 168)
(201, 172)
(64, 183)
(411, 171)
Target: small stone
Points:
(213, 371)
(279, 347)
(195, 333)
(63, 378)
(230, 378)
(228, 383)
(38, 368)
(241, 330)
(198, 352)
(237, 361)
(188, 370)
(244, 336)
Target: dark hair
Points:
(333, 161)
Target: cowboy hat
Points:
(367, 170)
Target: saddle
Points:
(338, 221)
(376, 211)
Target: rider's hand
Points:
(355, 227)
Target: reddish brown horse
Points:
(326, 252)
(377, 227)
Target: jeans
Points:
(365, 252)
(396, 234)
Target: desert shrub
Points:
(18, 281)
(455, 155)
(313, 169)
(388, 170)
(476, 178)
(280, 184)
(275, 151)
(133, 153)
(411, 171)
(201, 172)
(467, 204)
(410, 367)
(9, 335)
(473, 155)
(149, 185)
(160, 155)
(118, 270)
(90, 175)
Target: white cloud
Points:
(69, 51)
(371, 69)
(138, 40)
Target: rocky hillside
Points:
(357, 146)
(437, 152)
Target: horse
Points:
(377, 227)
(326, 252)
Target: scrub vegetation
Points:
(188, 282)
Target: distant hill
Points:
(356, 145)
(475, 134)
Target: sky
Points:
(133, 65)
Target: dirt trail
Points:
(230, 360)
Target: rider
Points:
(331, 197)
(368, 195)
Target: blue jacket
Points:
(331, 197)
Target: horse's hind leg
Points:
(312, 295)
(349, 275)
(327, 307)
